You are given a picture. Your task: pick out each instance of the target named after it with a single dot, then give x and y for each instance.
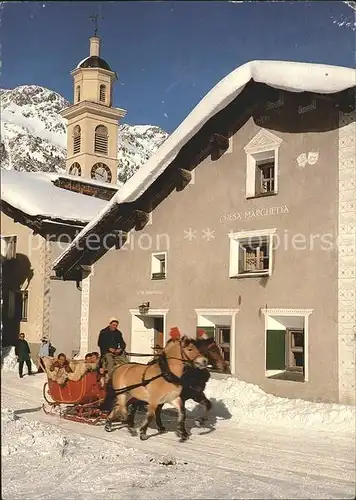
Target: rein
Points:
(165, 371)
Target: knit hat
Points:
(174, 333)
(202, 334)
(111, 320)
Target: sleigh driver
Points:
(112, 346)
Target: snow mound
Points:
(21, 435)
(9, 362)
(248, 403)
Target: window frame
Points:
(101, 140)
(11, 244)
(260, 166)
(263, 147)
(290, 349)
(275, 312)
(24, 305)
(102, 86)
(77, 139)
(235, 242)
(158, 275)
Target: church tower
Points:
(92, 129)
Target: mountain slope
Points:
(33, 134)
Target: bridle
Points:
(184, 358)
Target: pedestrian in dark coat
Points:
(22, 351)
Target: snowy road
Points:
(65, 459)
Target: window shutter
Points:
(276, 350)
(242, 259)
(258, 180)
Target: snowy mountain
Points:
(33, 134)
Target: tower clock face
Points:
(75, 169)
(101, 172)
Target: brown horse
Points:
(193, 380)
(209, 348)
(157, 384)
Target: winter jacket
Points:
(110, 339)
(44, 349)
(22, 350)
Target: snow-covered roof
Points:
(34, 194)
(83, 180)
(282, 75)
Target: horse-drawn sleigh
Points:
(177, 374)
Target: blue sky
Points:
(167, 54)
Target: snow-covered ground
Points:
(255, 446)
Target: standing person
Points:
(22, 351)
(112, 346)
(44, 348)
(44, 351)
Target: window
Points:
(262, 154)
(101, 140)
(159, 266)
(264, 181)
(76, 139)
(251, 253)
(8, 247)
(287, 344)
(102, 93)
(295, 350)
(77, 93)
(285, 354)
(23, 305)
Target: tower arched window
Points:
(101, 140)
(77, 93)
(102, 93)
(76, 139)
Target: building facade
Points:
(42, 213)
(258, 248)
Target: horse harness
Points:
(166, 373)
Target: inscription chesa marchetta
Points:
(251, 214)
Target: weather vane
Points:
(94, 19)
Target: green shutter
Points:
(210, 330)
(276, 350)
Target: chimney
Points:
(95, 46)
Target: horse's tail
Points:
(110, 396)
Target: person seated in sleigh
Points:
(101, 372)
(61, 362)
(61, 368)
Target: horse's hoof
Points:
(133, 432)
(108, 427)
(143, 437)
(162, 430)
(183, 436)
